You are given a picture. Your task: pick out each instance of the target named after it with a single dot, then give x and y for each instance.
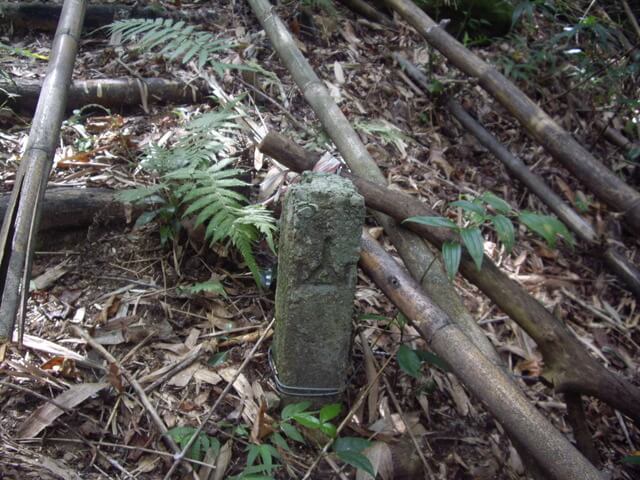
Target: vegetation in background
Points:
(587, 52)
(473, 21)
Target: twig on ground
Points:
(180, 456)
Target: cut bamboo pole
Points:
(421, 261)
(21, 221)
(551, 450)
(616, 137)
(74, 207)
(564, 148)
(44, 16)
(560, 348)
(118, 93)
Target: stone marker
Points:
(320, 230)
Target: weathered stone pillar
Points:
(320, 230)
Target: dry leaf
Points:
(271, 183)
(115, 378)
(44, 415)
(379, 454)
(436, 156)
(48, 278)
(349, 35)
(262, 425)
(183, 377)
(223, 460)
(203, 374)
(338, 72)
(210, 457)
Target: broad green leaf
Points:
(474, 242)
(372, 316)
(432, 221)
(351, 444)
(468, 206)
(214, 444)
(180, 433)
(547, 226)
(435, 87)
(329, 412)
(451, 253)
(267, 454)
(279, 441)
(291, 432)
(505, 231)
(357, 460)
(294, 408)
(329, 429)
(218, 359)
(254, 451)
(433, 359)
(401, 320)
(498, 204)
(408, 361)
(307, 420)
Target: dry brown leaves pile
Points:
(66, 413)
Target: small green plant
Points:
(210, 286)
(348, 449)
(182, 436)
(23, 52)
(196, 179)
(477, 215)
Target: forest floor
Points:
(131, 292)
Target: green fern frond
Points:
(206, 139)
(243, 240)
(178, 41)
(200, 174)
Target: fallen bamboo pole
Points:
(562, 146)
(116, 93)
(422, 262)
(615, 260)
(44, 16)
(560, 348)
(20, 224)
(74, 207)
(551, 450)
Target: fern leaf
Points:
(174, 40)
(242, 240)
